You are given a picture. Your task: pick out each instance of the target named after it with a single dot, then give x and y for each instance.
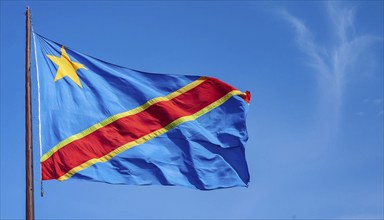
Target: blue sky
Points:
(315, 70)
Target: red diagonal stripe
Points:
(130, 128)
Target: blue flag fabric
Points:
(107, 123)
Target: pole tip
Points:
(27, 11)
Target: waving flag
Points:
(107, 123)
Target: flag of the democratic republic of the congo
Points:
(107, 123)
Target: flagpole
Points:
(29, 205)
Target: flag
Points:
(106, 123)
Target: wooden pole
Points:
(29, 205)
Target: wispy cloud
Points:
(335, 62)
(376, 103)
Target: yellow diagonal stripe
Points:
(121, 115)
(149, 136)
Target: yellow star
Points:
(66, 67)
